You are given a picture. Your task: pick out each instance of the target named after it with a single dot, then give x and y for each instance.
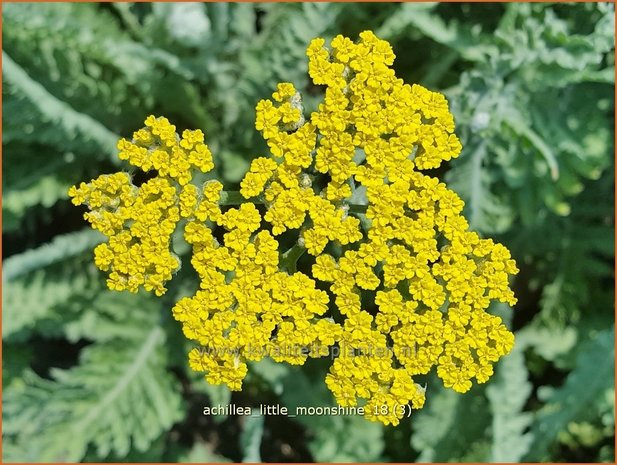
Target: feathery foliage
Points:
(89, 375)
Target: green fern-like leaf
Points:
(58, 114)
(532, 104)
(572, 258)
(119, 397)
(39, 280)
(576, 399)
(31, 179)
(34, 117)
(507, 395)
(69, 72)
(451, 428)
(72, 51)
(420, 19)
(104, 317)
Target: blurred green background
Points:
(93, 375)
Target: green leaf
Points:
(548, 342)
(469, 42)
(58, 113)
(251, 437)
(507, 395)
(452, 427)
(119, 397)
(30, 179)
(515, 121)
(37, 281)
(534, 105)
(103, 316)
(471, 180)
(575, 400)
(60, 248)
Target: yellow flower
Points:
(348, 181)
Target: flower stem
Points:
(355, 208)
(290, 258)
(233, 198)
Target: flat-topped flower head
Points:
(397, 283)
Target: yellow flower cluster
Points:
(435, 278)
(410, 283)
(139, 221)
(157, 146)
(286, 189)
(247, 308)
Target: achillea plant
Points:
(348, 180)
